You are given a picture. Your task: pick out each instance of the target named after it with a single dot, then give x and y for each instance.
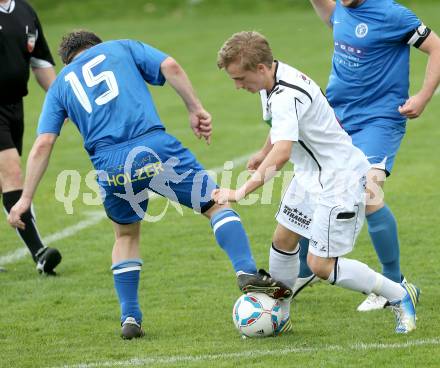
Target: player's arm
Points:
(36, 167)
(41, 60)
(415, 105)
(44, 76)
(274, 161)
(324, 9)
(257, 158)
(200, 119)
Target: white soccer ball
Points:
(256, 315)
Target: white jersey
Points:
(323, 154)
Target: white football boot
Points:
(377, 302)
(372, 302)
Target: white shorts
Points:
(331, 224)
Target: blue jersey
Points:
(370, 71)
(103, 92)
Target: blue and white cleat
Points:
(405, 312)
(413, 291)
(284, 327)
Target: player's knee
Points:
(321, 267)
(285, 241)
(314, 266)
(371, 208)
(374, 189)
(127, 235)
(214, 209)
(11, 177)
(127, 242)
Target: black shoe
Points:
(47, 260)
(131, 329)
(263, 283)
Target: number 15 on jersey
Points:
(92, 80)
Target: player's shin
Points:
(355, 275)
(126, 278)
(30, 234)
(232, 238)
(382, 227)
(284, 266)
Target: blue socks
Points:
(232, 238)
(126, 277)
(382, 227)
(304, 270)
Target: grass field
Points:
(187, 284)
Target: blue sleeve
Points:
(148, 60)
(53, 115)
(400, 23)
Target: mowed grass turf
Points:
(187, 285)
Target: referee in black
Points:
(22, 46)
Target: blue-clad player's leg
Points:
(380, 142)
(231, 236)
(304, 270)
(188, 183)
(126, 268)
(161, 164)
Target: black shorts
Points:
(11, 126)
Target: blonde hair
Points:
(249, 48)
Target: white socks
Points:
(284, 267)
(355, 275)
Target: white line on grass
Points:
(254, 354)
(437, 91)
(92, 218)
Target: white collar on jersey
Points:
(7, 7)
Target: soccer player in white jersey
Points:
(368, 90)
(325, 200)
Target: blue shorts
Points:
(380, 142)
(154, 162)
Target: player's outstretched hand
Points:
(225, 195)
(201, 124)
(14, 217)
(414, 106)
(255, 161)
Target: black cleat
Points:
(131, 329)
(47, 260)
(262, 282)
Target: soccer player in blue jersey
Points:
(368, 89)
(102, 90)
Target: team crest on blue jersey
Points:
(361, 30)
